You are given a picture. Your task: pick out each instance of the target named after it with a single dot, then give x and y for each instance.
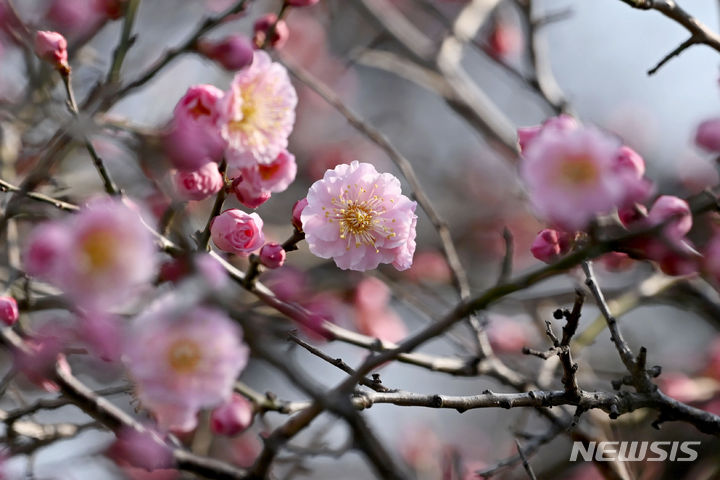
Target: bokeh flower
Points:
(184, 361)
(198, 184)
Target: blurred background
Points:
(599, 53)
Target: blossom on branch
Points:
(184, 361)
(360, 218)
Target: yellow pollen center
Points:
(184, 355)
(360, 221)
(578, 171)
(98, 250)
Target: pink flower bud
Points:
(667, 207)
(628, 160)
(8, 310)
(707, 135)
(263, 26)
(237, 232)
(199, 184)
(505, 40)
(550, 244)
(233, 417)
(248, 194)
(297, 211)
(632, 214)
(52, 47)
(272, 255)
(301, 3)
(233, 53)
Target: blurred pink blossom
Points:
(360, 218)
(198, 184)
(301, 3)
(194, 137)
(184, 361)
(258, 113)
(707, 135)
(507, 335)
(551, 244)
(235, 231)
(103, 256)
(430, 266)
(140, 449)
(373, 314)
(572, 175)
(560, 123)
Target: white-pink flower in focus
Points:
(198, 184)
(360, 218)
(235, 231)
(102, 255)
(194, 137)
(572, 175)
(182, 362)
(258, 113)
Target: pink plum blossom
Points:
(194, 137)
(141, 449)
(75, 18)
(184, 361)
(9, 312)
(262, 28)
(235, 231)
(233, 52)
(52, 47)
(103, 254)
(198, 184)
(560, 123)
(272, 255)
(248, 194)
(360, 218)
(550, 244)
(707, 135)
(258, 113)
(273, 177)
(507, 335)
(232, 417)
(572, 175)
